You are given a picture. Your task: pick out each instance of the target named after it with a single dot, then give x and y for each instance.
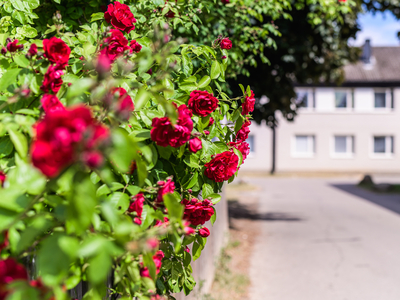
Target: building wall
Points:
(360, 119)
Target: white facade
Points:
(339, 130)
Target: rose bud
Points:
(2, 178)
(195, 145)
(103, 65)
(204, 232)
(226, 44)
(225, 1)
(187, 249)
(13, 47)
(93, 159)
(32, 50)
(4, 50)
(187, 229)
(206, 132)
(211, 122)
(152, 243)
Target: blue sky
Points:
(380, 28)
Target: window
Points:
(340, 99)
(380, 100)
(304, 145)
(250, 141)
(383, 145)
(302, 99)
(343, 145)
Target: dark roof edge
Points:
(354, 84)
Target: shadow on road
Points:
(388, 201)
(239, 211)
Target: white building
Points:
(352, 128)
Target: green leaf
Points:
(123, 151)
(99, 267)
(149, 263)
(120, 201)
(207, 190)
(205, 81)
(140, 135)
(97, 16)
(215, 70)
(213, 217)
(133, 189)
(141, 99)
(25, 5)
(215, 198)
(79, 87)
(192, 160)
(53, 262)
(21, 61)
(196, 250)
(27, 178)
(36, 228)
(192, 181)
(6, 146)
(19, 141)
(8, 78)
(175, 208)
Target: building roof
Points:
(384, 67)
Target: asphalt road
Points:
(325, 239)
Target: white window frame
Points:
(389, 144)
(310, 99)
(311, 145)
(388, 99)
(349, 100)
(350, 149)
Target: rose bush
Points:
(115, 140)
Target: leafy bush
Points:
(111, 133)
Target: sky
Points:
(381, 28)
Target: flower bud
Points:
(4, 50)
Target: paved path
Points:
(324, 239)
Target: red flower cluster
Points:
(165, 187)
(50, 103)
(222, 167)
(135, 46)
(157, 258)
(248, 104)
(64, 135)
(242, 146)
(2, 178)
(197, 212)
(137, 207)
(115, 45)
(226, 44)
(52, 79)
(10, 271)
(195, 145)
(202, 103)
(120, 16)
(13, 47)
(124, 105)
(243, 133)
(57, 52)
(165, 133)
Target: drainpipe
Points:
(273, 128)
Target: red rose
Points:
(52, 80)
(103, 65)
(195, 145)
(243, 147)
(226, 44)
(165, 133)
(124, 105)
(135, 47)
(120, 16)
(202, 103)
(32, 50)
(64, 137)
(10, 271)
(211, 121)
(115, 45)
(248, 104)
(137, 206)
(157, 258)
(204, 232)
(51, 103)
(13, 47)
(243, 133)
(152, 243)
(56, 51)
(222, 167)
(3, 177)
(187, 229)
(197, 212)
(165, 187)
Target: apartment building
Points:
(351, 128)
